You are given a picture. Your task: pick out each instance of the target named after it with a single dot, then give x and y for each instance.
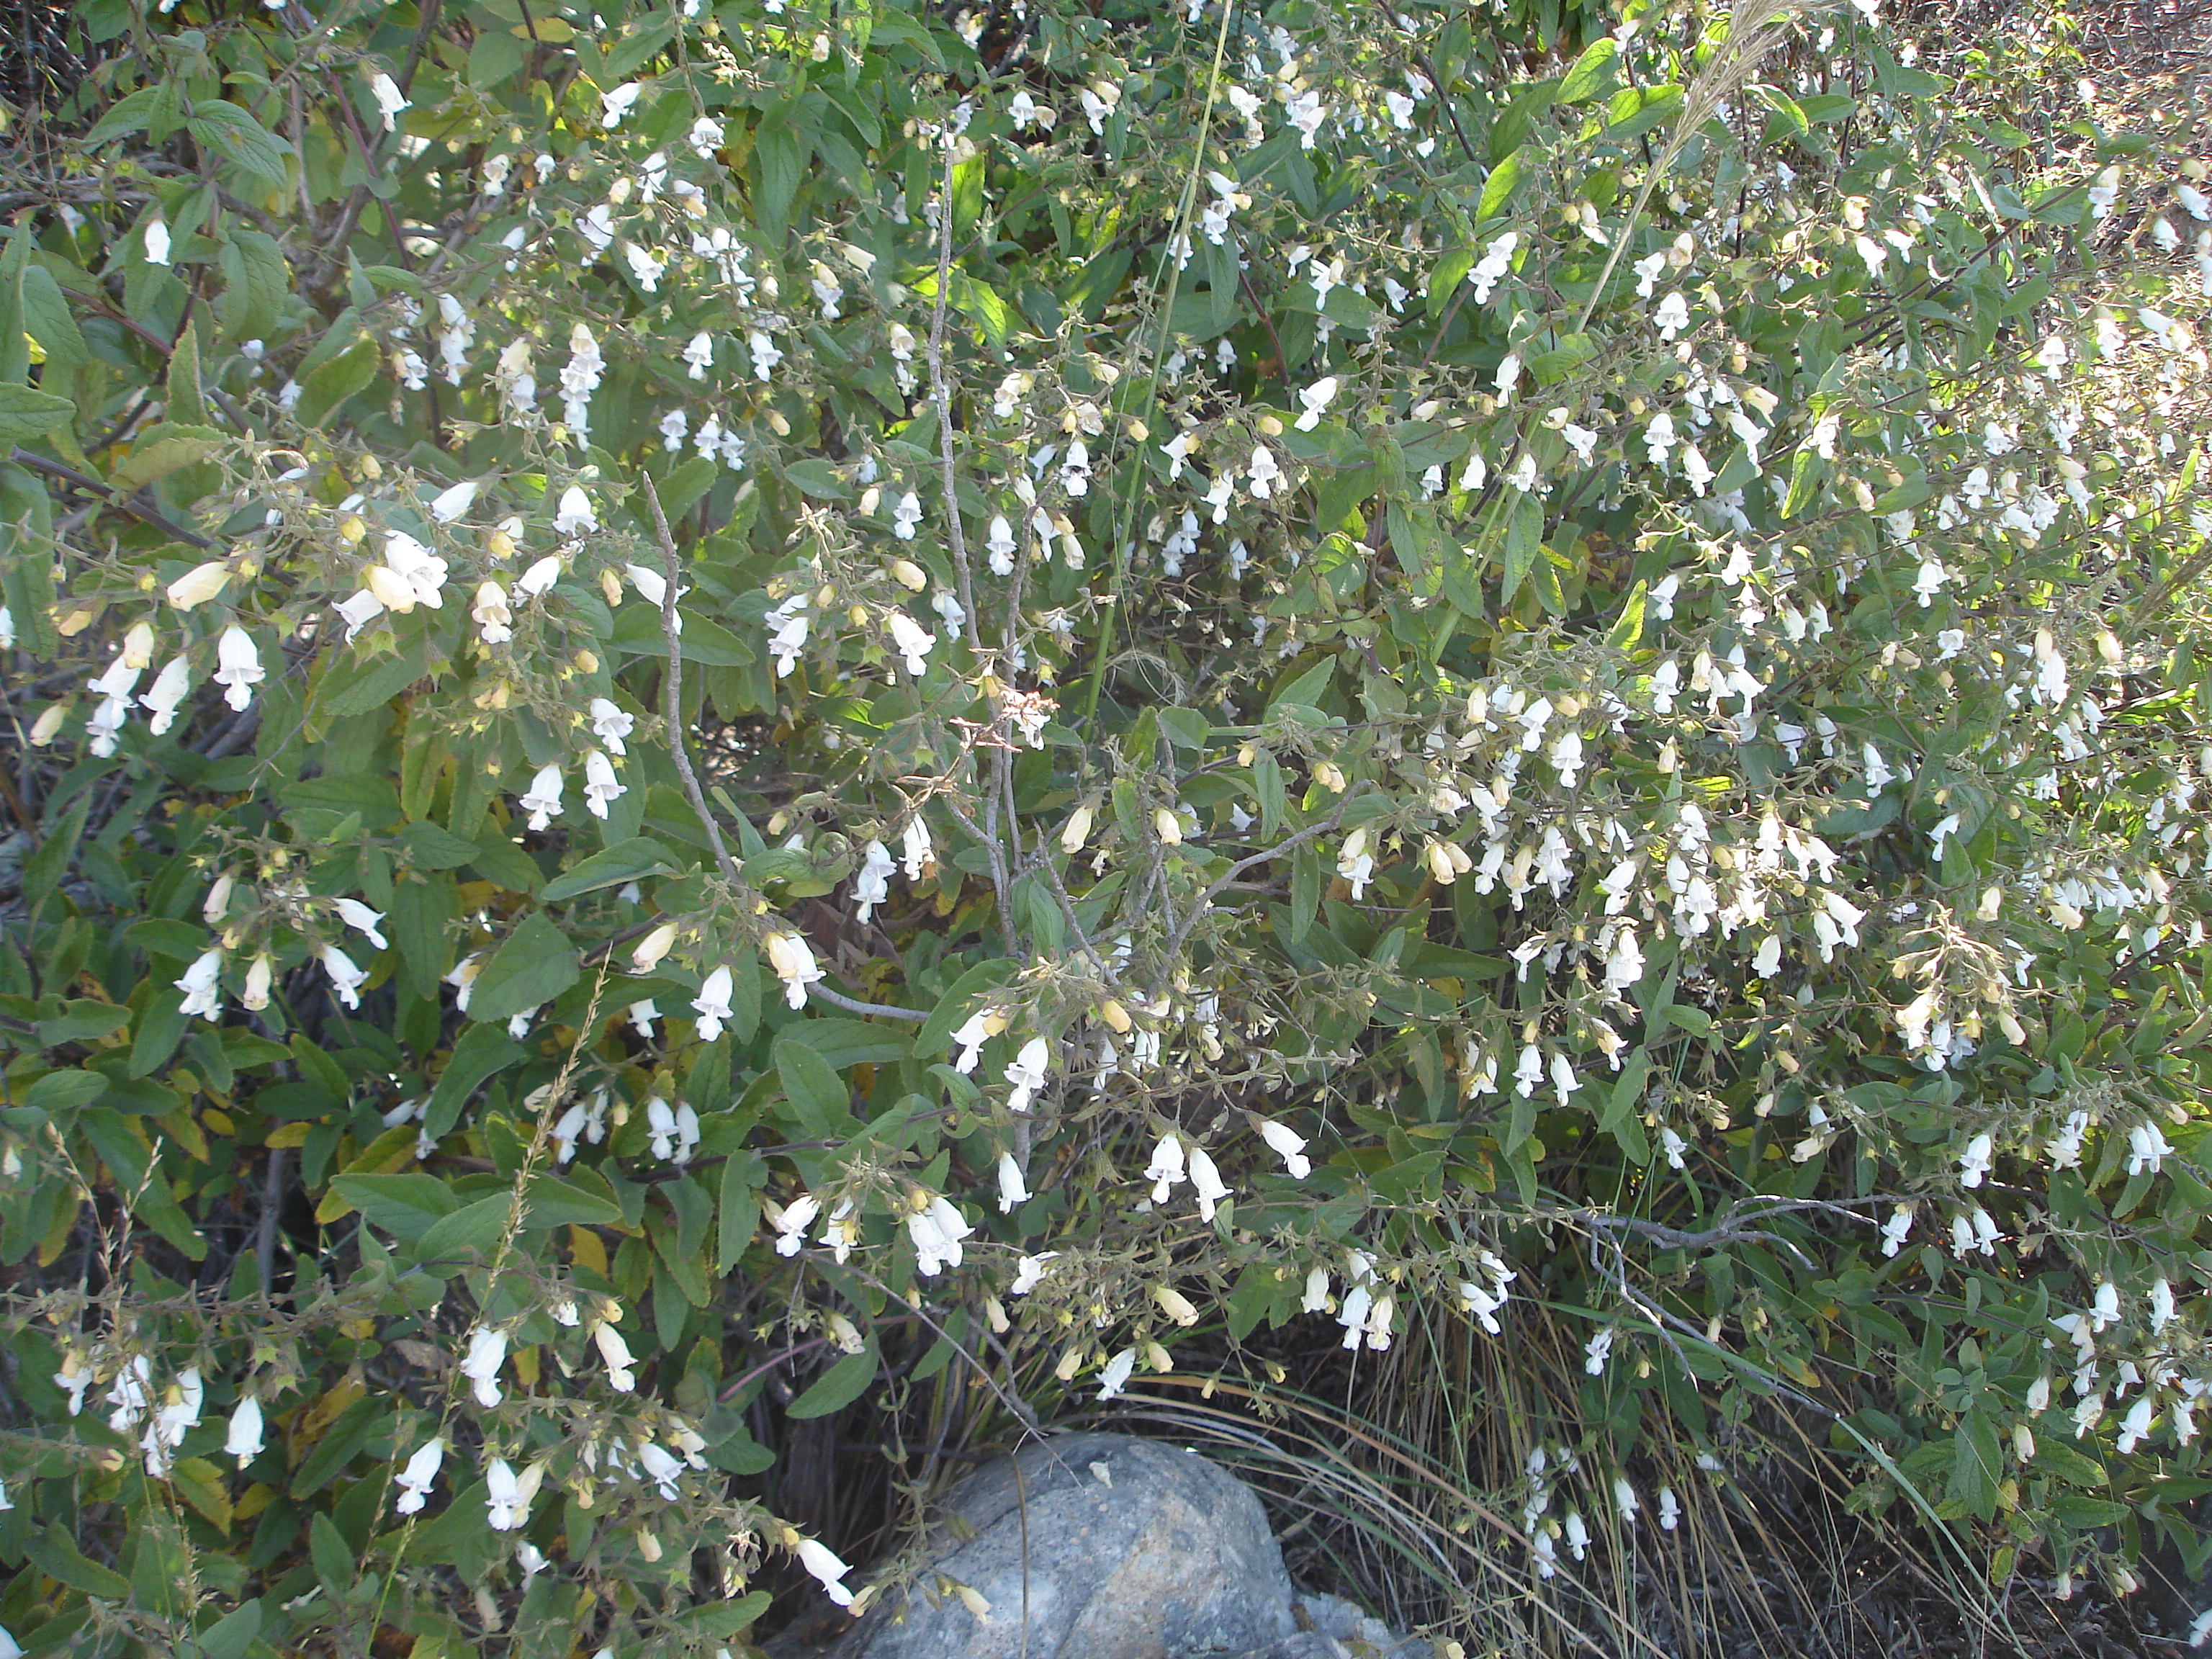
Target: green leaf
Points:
(165, 449)
(555, 1202)
(432, 847)
(2084, 1515)
(467, 1235)
(816, 1093)
(1910, 493)
(634, 859)
(332, 1556)
(737, 1215)
(44, 869)
(255, 284)
(122, 1145)
(1594, 72)
(1628, 628)
(683, 487)
(129, 115)
(1636, 110)
(838, 1387)
(227, 131)
(716, 1621)
(1618, 1111)
(819, 479)
(47, 318)
(322, 392)
(55, 1553)
(780, 157)
(1827, 109)
(405, 1206)
(26, 416)
(1267, 785)
(340, 1442)
(80, 1020)
(535, 965)
(1788, 119)
(480, 1051)
(66, 1091)
(983, 306)
(1524, 543)
(1503, 179)
(232, 1636)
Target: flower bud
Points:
(138, 646)
(199, 584)
(1077, 829)
(1167, 826)
(48, 723)
(1329, 776)
(910, 575)
(653, 946)
(1115, 1016)
(1270, 426)
(1175, 1304)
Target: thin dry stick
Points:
(671, 709)
(672, 689)
(957, 538)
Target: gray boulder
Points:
(1135, 1550)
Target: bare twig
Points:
(956, 539)
(671, 691)
(1200, 904)
(671, 710)
(129, 504)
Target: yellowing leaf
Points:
(586, 1250)
(325, 1411)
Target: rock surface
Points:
(1134, 1548)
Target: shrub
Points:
(713, 696)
